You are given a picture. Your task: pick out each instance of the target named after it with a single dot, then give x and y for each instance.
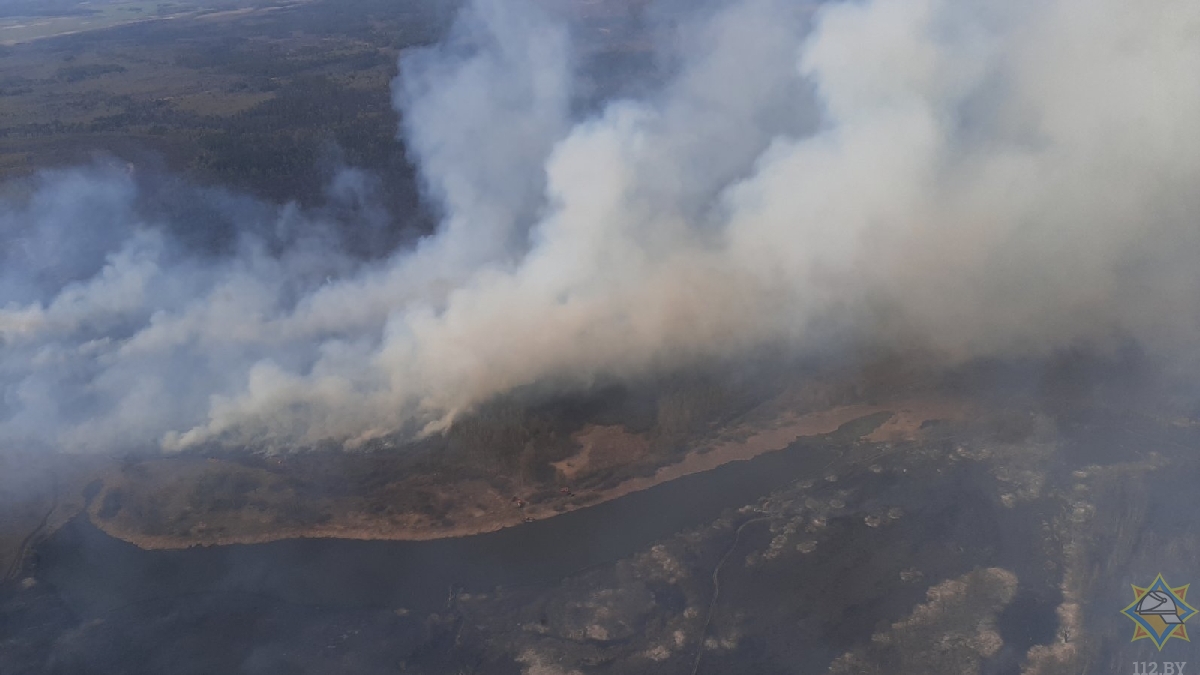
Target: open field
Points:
(265, 97)
(28, 22)
(187, 501)
(597, 447)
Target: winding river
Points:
(97, 574)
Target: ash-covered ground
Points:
(1004, 543)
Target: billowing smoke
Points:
(974, 177)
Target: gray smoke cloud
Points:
(976, 177)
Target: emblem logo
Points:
(1159, 612)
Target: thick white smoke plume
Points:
(979, 177)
